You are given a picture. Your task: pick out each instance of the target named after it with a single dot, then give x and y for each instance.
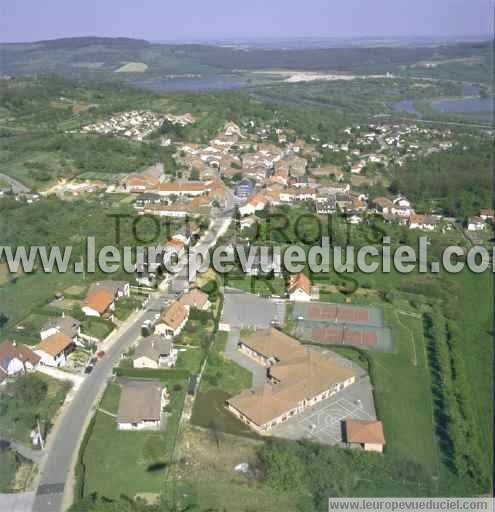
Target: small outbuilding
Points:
(367, 434)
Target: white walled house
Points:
(53, 351)
(476, 224)
(98, 303)
(299, 288)
(141, 405)
(172, 320)
(65, 324)
(154, 352)
(16, 358)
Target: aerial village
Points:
(302, 387)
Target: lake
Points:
(471, 103)
(463, 105)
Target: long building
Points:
(297, 378)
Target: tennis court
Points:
(342, 324)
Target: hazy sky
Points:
(30, 20)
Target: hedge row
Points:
(148, 373)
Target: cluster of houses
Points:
(147, 273)
(60, 336)
(297, 378)
(142, 403)
(284, 173)
(384, 143)
(175, 316)
(135, 124)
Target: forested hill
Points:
(75, 43)
(101, 57)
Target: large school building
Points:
(298, 377)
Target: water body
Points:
(406, 106)
(471, 90)
(204, 83)
(471, 103)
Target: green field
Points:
(403, 394)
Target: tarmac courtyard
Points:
(323, 422)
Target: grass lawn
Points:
(28, 330)
(31, 291)
(96, 327)
(190, 359)
(236, 497)
(125, 306)
(222, 379)
(130, 463)
(222, 373)
(17, 420)
(256, 284)
(403, 393)
(5, 275)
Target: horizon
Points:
(153, 21)
(249, 38)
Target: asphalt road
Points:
(16, 186)
(65, 439)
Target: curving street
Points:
(54, 492)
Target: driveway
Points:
(19, 502)
(55, 373)
(231, 351)
(26, 451)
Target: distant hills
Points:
(101, 57)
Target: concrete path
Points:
(19, 502)
(232, 352)
(26, 451)
(61, 375)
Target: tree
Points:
(29, 389)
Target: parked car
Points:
(100, 354)
(88, 369)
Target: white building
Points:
(53, 351)
(16, 358)
(141, 405)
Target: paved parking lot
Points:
(245, 310)
(323, 422)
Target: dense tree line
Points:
(453, 417)
(316, 472)
(458, 181)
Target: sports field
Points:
(342, 324)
